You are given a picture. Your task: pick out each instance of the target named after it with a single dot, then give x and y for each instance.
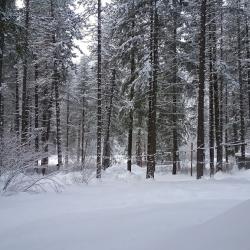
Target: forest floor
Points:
(124, 211)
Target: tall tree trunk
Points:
(2, 18)
(79, 141)
(242, 121)
(83, 133)
(99, 96)
(131, 97)
(223, 89)
(58, 124)
(174, 82)
(211, 102)
(56, 82)
(248, 58)
(67, 132)
(202, 56)
(46, 124)
(106, 144)
(25, 112)
(17, 107)
(36, 110)
(151, 152)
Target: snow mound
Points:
(120, 172)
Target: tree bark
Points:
(211, 103)
(17, 107)
(202, 55)
(151, 151)
(99, 95)
(67, 132)
(36, 110)
(25, 111)
(240, 79)
(174, 82)
(56, 82)
(106, 144)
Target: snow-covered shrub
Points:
(17, 168)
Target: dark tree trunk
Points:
(139, 149)
(211, 103)
(174, 82)
(79, 141)
(2, 12)
(99, 96)
(25, 112)
(36, 110)
(56, 82)
(217, 119)
(240, 79)
(106, 144)
(202, 55)
(17, 107)
(83, 131)
(46, 124)
(248, 58)
(151, 152)
(223, 90)
(67, 132)
(131, 97)
(58, 123)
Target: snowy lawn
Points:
(126, 212)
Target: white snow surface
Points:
(124, 211)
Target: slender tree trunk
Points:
(131, 114)
(174, 82)
(56, 83)
(99, 96)
(36, 110)
(139, 148)
(58, 124)
(46, 124)
(106, 144)
(139, 142)
(25, 112)
(202, 55)
(83, 138)
(223, 89)
(248, 58)
(131, 111)
(151, 152)
(211, 103)
(67, 132)
(79, 141)
(83, 127)
(2, 12)
(240, 79)
(17, 107)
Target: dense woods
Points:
(158, 76)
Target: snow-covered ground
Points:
(126, 212)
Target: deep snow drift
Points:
(126, 212)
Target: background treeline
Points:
(160, 75)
